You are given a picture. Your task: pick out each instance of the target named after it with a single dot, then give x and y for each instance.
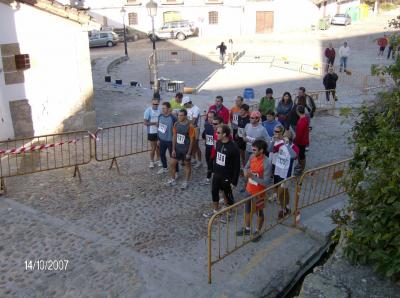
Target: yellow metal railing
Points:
(294, 193)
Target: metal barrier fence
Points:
(121, 140)
(373, 83)
(295, 193)
(43, 153)
(320, 184)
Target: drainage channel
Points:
(318, 259)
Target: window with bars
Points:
(133, 18)
(213, 17)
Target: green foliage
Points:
(387, 6)
(374, 187)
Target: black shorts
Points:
(382, 49)
(302, 152)
(241, 144)
(152, 137)
(181, 156)
(277, 179)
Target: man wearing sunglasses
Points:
(254, 131)
(151, 115)
(226, 169)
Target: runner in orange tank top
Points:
(258, 170)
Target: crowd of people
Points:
(263, 147)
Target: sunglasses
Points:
(277, 131)
(156, 104)
(219, 132)
(215, 124)
(254, 118)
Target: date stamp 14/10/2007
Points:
(46, 265)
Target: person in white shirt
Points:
(193, 115)
(150, 119)
(344, 53)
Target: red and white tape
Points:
(35, 147)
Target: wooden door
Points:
(264, 21)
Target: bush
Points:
(374, 187)
(387, 6)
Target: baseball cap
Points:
(186, 100)
(255, 114)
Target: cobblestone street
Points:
(128, 235)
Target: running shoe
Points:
(242, 232)
(256, 236)
(209, 214)
(284, 213)
(158, 163)
(205, 182)
(170, 182)
(151, 165)
(184, 185)
(162, 171)
(197, 165)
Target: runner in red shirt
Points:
(220, 109)
(382, 43)
(302, 138)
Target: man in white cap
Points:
(193, 115)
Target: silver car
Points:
(171, 30)
(341, 19)
(103, 38)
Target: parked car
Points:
(171, 30)
(103, 38)
(341, 19)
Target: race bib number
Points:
(153, 129)
(221, 159)
(180, 139)
(240, 132)
(253, 182)
(282, 162)
(162, 128)
(250, 140)
(235, 119)
(209, 140)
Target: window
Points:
(133, 18)
(103, 35)
(213, 17)
(133, 2)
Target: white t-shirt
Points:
(193, 112)
(282, 162)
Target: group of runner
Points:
(261, 146)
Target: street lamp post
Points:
(152, 11)
(123, 11)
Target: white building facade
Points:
(213, 17)
(53, 91)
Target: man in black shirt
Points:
(226, 169)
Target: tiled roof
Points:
(60, 10)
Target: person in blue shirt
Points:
(270, 123)
(166, 123)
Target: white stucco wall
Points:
(59, 80)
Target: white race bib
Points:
(282, 162)
(250, 140)
(162, 128)
(153, 129)
(180, 139)
(240, 132)
(221, 159)
(209, 140)
(251, 181)
(235, 119)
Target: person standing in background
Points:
(267, 103)
(330, 55)
(344, 53)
